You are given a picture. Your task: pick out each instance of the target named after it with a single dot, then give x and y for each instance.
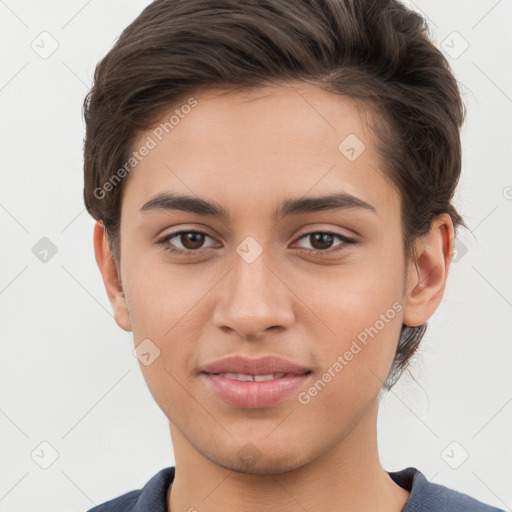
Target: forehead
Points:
(262, 142)
(292, 111)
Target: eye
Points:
(191, 241)
(322, 241)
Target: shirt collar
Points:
(154, 494)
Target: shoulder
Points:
(430, 497)
(153, 496)
(122, 503)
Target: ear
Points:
(428, 271)
(111, 280)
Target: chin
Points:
(249, 460)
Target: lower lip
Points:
(254, 395)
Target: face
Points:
(319, 283)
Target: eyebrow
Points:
(303, 205)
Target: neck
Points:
(347, 477)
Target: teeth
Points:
(243, 377)
(259, 378)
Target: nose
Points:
(253, 299)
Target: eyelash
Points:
(164, 243)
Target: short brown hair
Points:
(378, 51)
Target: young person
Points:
(272, 184)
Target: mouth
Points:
(249, 383)
(242, 366)
(244, 377)
(255, 391)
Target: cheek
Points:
(355, 359)
(163, 299)
(166, 312)
(167, 307)
(359, 321)
(343, 301)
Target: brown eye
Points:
(321, 240)
(192, 240)
(324, 242)
(184, 242)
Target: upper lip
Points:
(261, 366)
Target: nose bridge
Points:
(250, 280)
(254, 297)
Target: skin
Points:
(248, 152)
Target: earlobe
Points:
(109, 273)
(428, 272)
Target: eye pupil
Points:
(325, 240)
(192, 240)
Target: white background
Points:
(68, 375)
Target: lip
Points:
(259, 366)
(254, 395)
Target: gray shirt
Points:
(425, 496)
